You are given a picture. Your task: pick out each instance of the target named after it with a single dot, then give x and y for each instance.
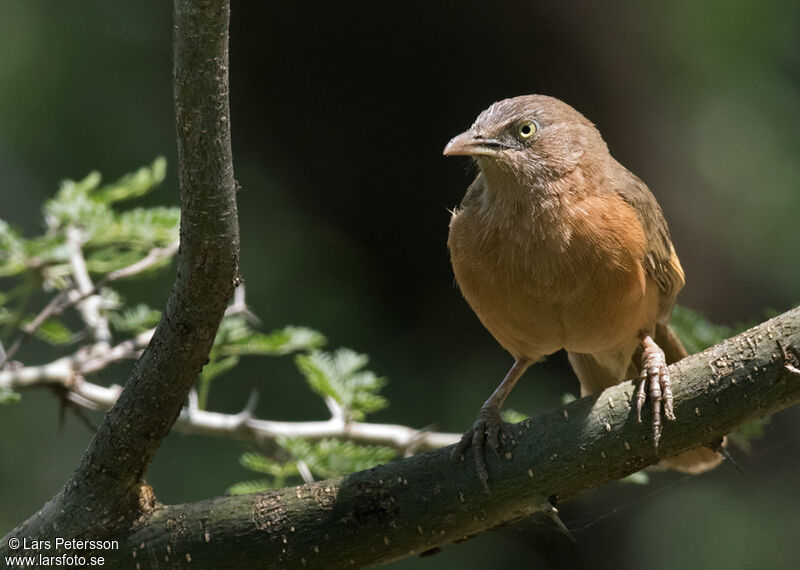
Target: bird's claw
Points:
(488, 431)
(654, 376)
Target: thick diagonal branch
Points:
(426, 501)
(105, 490)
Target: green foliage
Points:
(236, 338)
(749, 432)
(133, 185)
(111, 239)
(638, 478)
(12, 250)
(567, 397)
(108, 239)
(340, 375)
(54, 332)
(8, 396)
(695, 331)
(323, 459)
(280, 473)
(283, 341)
(253, 486)
(512, 416)
(332, 457)
(135, 320)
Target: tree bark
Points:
(411, 506)
(106, 491)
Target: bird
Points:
(556, 245)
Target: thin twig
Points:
(153, 257)
(62, 301)
(52, 309)
(90, 307)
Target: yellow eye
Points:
(526, 129)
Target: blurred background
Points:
(340, 112)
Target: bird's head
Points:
(532, 137)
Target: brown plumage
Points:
(557, 245)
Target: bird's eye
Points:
(526, 129)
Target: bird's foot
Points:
(654, 380)
(488, 431)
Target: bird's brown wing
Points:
(661, 262)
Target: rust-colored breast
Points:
(568, 278)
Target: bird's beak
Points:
(470, 144)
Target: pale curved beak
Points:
(470, 144)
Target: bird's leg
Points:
(654, 374)
(488, 427)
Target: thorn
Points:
(247, 412)
(430, 552)
(83, 402)
(194, 400)
(239, 305)
(305, 472)
(84, 419)
(788, 360)
(252, 401)
(552, 512)
(718, 447)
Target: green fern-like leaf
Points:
(512, 416)
(262, 464)
(55, 332)
(749, 432)
(48, 250)
(141, 228)
(279, 474)
(8, 396)
(340, 375)
(567, 397)
(279, 342)
(218, 367)
(254, 486)
(232, 330)
(134, 320)
(695, 331)
(12, 251)
(332, 457)
(132, 185)
(638, 478)
(73, 206)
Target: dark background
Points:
(340, 112)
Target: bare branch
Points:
(64, 370)
(70, 373)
